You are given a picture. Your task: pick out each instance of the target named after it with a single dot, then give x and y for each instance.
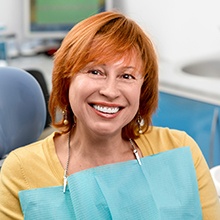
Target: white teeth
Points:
(109, 110)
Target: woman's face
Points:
(105, 97)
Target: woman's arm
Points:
(11, 181)
(207, 191)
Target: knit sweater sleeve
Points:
(9, 187)
(208, 195)
(29, 167)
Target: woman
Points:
(107, 162)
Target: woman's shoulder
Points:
(26, 155)
(33, 166)
(35, 148)
(160, 139)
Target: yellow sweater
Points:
(37, 166)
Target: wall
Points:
(180, 30)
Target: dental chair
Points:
(22, 109)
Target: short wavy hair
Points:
(111, 34)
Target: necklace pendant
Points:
(64, 182)
(137, 156)
(135, 152)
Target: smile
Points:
(108, 110)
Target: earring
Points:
(65, 120)
(140, 122)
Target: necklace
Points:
(67, 164)
(135, 152)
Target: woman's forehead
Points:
(127, 59)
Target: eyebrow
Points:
(122, 67)
(130, 67)
(93, 64)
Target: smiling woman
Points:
(107, 38)
(107, 161)
(107, 89)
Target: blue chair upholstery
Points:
(22, 109)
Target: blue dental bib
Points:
(163, 187)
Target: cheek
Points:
(80, 88)
(138, 94)
(136, 99)
(133, 96)
(75, 92)
(77, 84)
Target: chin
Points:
(104, 131)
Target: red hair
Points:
(111, 34)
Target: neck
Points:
(93, 146)
(87, 151)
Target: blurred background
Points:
(180, 29)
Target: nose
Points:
(110, 88)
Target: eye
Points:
(96, 72)
(128, 76)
